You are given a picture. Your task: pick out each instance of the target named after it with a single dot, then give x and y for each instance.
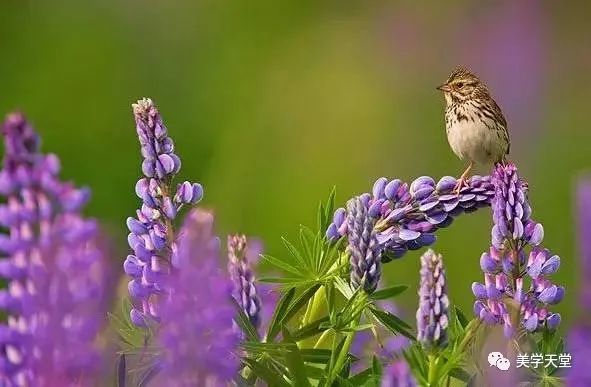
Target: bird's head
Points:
(461, 86)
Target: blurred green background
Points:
(271, 103)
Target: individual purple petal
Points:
(378, 187)
(408, 235)
(488, 264)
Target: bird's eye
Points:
(459, 85)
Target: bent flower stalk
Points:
(407, 217)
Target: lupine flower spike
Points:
(363, 246)
(244, 289)
(432, 315)
(57, 295)
(407, 217)
(506, 266)
(197, 334)
(152, 237)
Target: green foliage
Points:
(309, 337)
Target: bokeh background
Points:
(271, 103)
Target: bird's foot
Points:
(462, 182)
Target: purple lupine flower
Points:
(578, 341)
(514, 232)
(397, 374)
(363, 247)
(432, 314)
(196, 334)
(407, 217)
(244, 289)
(55, 268)
(580, 335)
(152, 237)
(584, 237)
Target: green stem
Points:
(432, 378)
(342, 357)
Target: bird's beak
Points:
(445, 87)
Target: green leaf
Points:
(299, 302)
(279, 314)
(365, 378)
(244, 323)
(295, 361)
(326, 210)
(301, 261)
(393, 323)
(282, 265)
(131, 335)
(312, 329)
(461, 317)
(265, 372)
(460, 374)
(315, 355)
(390, 292)
(376, 367)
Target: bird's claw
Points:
(462, 182)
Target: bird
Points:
(475, 126)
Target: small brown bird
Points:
(476, 128)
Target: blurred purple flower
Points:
(151, 235)
(397, 374)
(578, 341)
(57, 293)
(407, 217)
(506, 43)
(584, 237)
(196, 333)
(385, 346)
(507, 262)
(244, 288)
(432, 314)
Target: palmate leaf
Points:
(279, 313)
(288, 307)
(311, 329)
(264, 371)
(315, 260)
(129, 334)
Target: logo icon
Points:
(497, 359)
